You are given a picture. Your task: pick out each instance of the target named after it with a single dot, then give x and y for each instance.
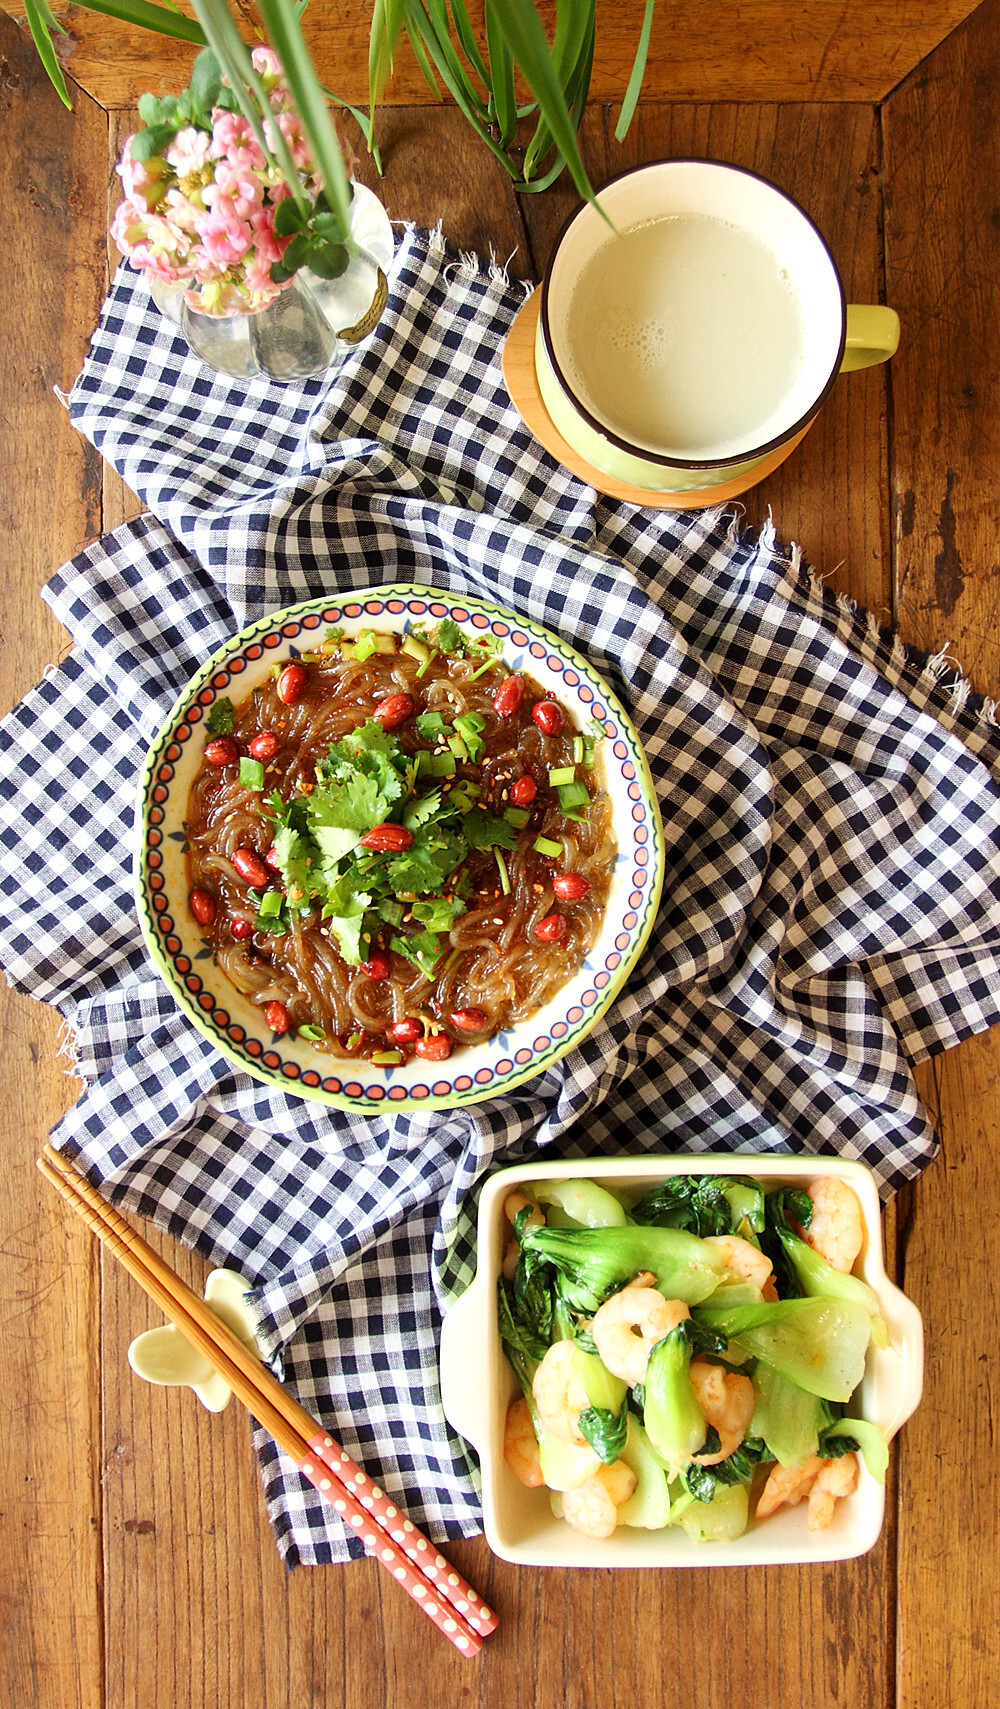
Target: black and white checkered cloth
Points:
(831, 804)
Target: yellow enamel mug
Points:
(694, 334)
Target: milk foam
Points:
(685, 334)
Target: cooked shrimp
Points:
(835, 1479)
(836, 1230)
(627, 1327)
(727, 1400)
(515, 1202)
(593, 1508)
(560, 1393)
(520, 1445)
(746, 1261)
(787, 1486)
(825, 1482)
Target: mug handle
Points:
(872, 336)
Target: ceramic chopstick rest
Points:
(164, 1356)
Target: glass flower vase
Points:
(312, 324)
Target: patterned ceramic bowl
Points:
(236, 1025)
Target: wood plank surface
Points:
(942, 163)
(52, 170)
(895, 492)
(743, 50)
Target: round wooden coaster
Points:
(522, 384)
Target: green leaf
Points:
(288, 218)
(482, 831)
(329, 260)
(424, 949)
(39, 25)
(149, 143)
(145, 16)
(631, 100)
(470, 46)
(285, 35)
(296, 859)
(298, 252)
(221, 721)
(501, 75)
(206, 80)
(522, 27)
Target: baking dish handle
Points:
(465, 1367)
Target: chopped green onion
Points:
(270, 904)
(572, 795)
(599, 732)
(365, 645)
(588, 760)
(561, 774)
(387, 1058)
(487, 666)
(441, 765)
(545, 846)
(252, 773)
(518, 816)
(469, 726)
(458, 747)
(579, 749)
(502, 869)
(311, 1033)
(415, 649)
(275, 672)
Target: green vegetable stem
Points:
(595, 1261)
(675, 1423)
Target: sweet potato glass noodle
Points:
(494, 963)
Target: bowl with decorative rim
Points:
(477, 1071)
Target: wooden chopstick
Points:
(394, 1541)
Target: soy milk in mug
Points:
(685, 333)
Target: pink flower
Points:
(238, 191)
(189, 151)
(266, 64)
(269, 247)
(224, 237)
(290, 126)
(259, 283)
(142, 179)
(232, 133)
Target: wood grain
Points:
(743, 50)
(942, 159)
(52, 172)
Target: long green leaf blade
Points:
(469, 44)
(46, 52)
(431, 17)
(289, 44)
(631, 100)
(146, 16)
(234, 62)
(523, 29)
(501, 75)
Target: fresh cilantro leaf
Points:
(449, 636)
(344, 913)
(333, 843)
(422, 870)
(296, 860)
(371, 752)
(422, 810)
(221, 721)
(391, 912)
(354, 805)
(482, 831)
(424, 948)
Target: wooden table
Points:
(138, 1568)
